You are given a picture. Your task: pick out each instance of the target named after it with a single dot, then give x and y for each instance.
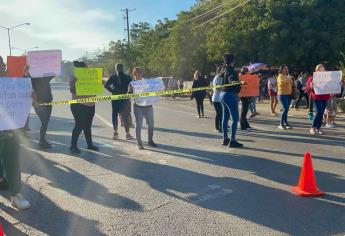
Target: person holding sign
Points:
(42, 94)
(320, 102)
(10, 174)
(229, 100)
(284, 95)
(143, 105)
(118, 84)
(246, 96)
(83, 114)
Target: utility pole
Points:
(126, 17)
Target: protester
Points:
(320, 103)
(284, 95)
(310, 114)
(273, 92)
(118, 84)
(216, 102)
(301, 81)
(252, 107)
(42, 94)
(83, 114)
(229, 100)
(331, 111)
(245, 106)
(172, 85)
(199, 82)
(10, 173)
(141, 110)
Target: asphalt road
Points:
(189, 185)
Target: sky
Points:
(76, 26)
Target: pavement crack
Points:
(158, 207)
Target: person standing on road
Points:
(229, 99)
(245, 106)
(272, 92)
(118, 84)
(172, 85)
(141, 111)
(83, 114)
(199, 82)
(284, 95)
(216, 102)
(10, 173)
(42, 94)
(301, 81)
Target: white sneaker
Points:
(329, 126)
(320, 132)
(312, 131)
(281, 127)
(19, 202)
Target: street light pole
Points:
(9, 36)
(25, 51)
(9, 40)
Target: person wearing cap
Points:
(229, 100)
(10, 173)
(118, 84)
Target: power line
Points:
(214, 18)
(210, 11)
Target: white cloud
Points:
(67, 25)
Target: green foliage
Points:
(300, 33)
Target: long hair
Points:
(317, 68)
(281, 68)
(197, 75)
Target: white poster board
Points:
(15, 102)
(44, 63)
(144, 86)
(327, 82)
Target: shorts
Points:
(331, 108)
(271, 93)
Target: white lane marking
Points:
(104, 121)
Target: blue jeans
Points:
(230, 107)
(285, 101)
(140, 112)
(252, 105)
(320, 107)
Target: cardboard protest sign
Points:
(16, 66)
(327, 82)
(144, 86)
(44, 63)
(89, 81)
(15, 102)
(251, 87)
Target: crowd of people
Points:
(281, 87)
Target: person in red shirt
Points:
(320, 103)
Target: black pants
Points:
(219, 115)
(200, 104)
(311, 104)
(83, 116)
(122, 107)
(245, 107)
(302, 95)
(43, 113)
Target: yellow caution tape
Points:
(137, 95)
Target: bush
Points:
(341, 106)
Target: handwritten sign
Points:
(15, 102)
(144, 86)
(251, 87)
(44, 63)
(327, 82)
(15, 66)
(89, 81)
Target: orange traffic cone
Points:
(1, 231)
(307, 186)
